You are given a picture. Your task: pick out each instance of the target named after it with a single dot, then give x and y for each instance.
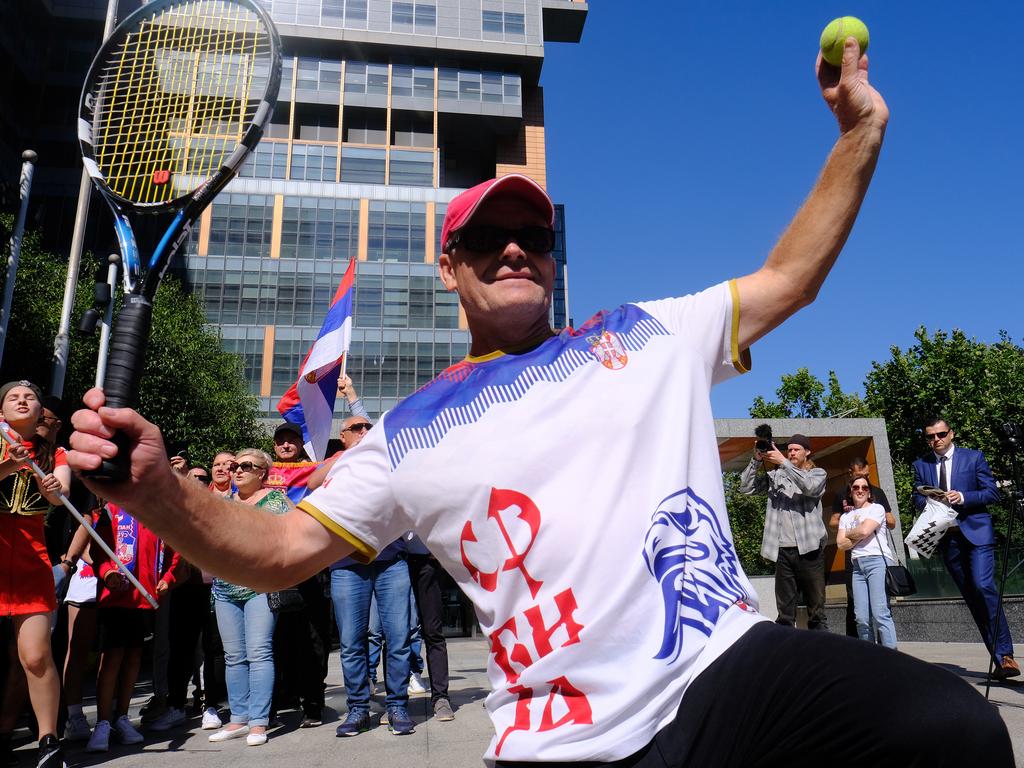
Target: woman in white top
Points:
(861, 532)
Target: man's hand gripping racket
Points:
(174, 102)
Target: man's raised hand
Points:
(847, 92)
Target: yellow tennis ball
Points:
(833, 37)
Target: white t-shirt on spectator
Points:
(574, 492)
(877, 543)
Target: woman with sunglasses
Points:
(245, 620)
(860, 532)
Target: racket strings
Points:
(176, 97)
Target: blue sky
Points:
(682, 137)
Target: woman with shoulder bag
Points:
(245, 620)
(869, 554)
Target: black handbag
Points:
(285, 601)
(898, 580)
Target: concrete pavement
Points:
(434, 745)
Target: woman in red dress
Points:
(26, 578)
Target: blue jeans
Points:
(870, 602)
(247, 631)
(351, 590)
(376, 639)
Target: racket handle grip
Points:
(124, 370)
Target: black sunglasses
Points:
(936, 436)
(361, 427)
(860, 487)
(488, 239)
(245, 466)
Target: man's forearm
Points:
(237, 542)
(798, 264)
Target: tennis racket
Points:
(174, 102)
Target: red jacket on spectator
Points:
(138, 548)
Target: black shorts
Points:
(788, 697)
(123, 627)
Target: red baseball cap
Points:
(462, 208)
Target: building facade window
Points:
(366, 77)
(314, 162)
(319, 228)
(362, 166)
(241, 225)
(412, 81)
(251, 352)
(508, 24)
(268, 161)
(469, 85)
(412, 169)
(413, 17)
(397, 232)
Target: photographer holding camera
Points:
(794, 533)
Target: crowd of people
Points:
(622, 628)
(795, 536)
(248, 654)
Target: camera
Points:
(764, 438)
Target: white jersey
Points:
(574, 492)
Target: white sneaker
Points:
(100, 739)
(211, 720)
(225, 734)
(125, 731)
(256, 739)
(416, 684)
(77, 728)
(170, 718)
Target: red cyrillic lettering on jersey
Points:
(578, 711)
(488, 581)
(509, 511)
(522, 721)
(504, 657)
(503, 501)
(566, 603)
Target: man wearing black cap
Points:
(794, 533)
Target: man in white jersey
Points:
(622, 628)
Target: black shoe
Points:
(50, 754)
(153, 708)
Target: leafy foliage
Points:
(191, 388)
(975, 386)
(802, 395)
(746, 517)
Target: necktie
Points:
(943, 481)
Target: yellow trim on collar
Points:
(363, 552)
(511, 350)
(740, 359)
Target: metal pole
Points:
(28, 158)
(63, 340)
(113, 262)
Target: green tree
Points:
(746, 517)
(802, 395)
(975, 386)
(195, 391)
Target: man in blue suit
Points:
(968, 548)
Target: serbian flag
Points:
(310, 400)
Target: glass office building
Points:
(387, 111)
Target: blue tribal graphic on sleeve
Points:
(695, 563)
